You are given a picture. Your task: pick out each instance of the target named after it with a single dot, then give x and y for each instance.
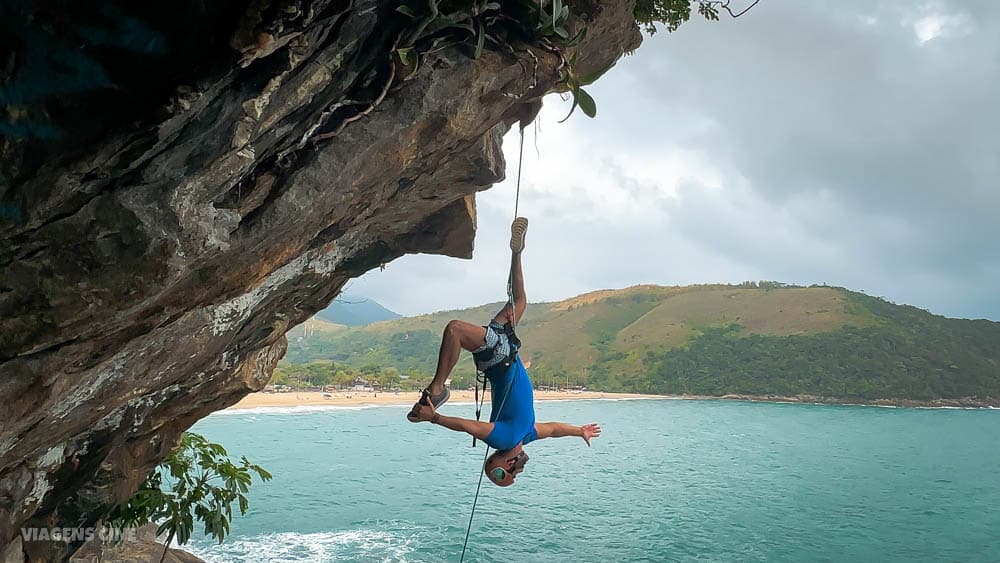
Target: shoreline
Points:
(391, 398)
(388, 398)
(964, 403)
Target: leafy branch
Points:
(673, 13)
(203, 485)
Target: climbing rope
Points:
(517, 193)
(479, 374)
(479, 485)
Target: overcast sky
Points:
(850, 142)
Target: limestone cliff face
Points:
(223, 189)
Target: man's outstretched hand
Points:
(590, 431)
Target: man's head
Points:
(503, 466)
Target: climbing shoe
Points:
(427, 398)
(517, 231)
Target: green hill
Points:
(754, 339)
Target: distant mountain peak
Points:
(354, 310)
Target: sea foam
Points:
(355, 545)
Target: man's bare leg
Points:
(458, 335)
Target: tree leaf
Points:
(587, 103)
(404, 54)
(562, 15)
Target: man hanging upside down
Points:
(494, 348)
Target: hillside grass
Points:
(706, 339)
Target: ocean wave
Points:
(289, 547)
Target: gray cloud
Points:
(853, 143)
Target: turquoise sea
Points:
(669, 480)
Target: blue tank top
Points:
(514, 423)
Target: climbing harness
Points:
(486, 354)
(515, 344)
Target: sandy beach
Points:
(350, 398)
(308, 398)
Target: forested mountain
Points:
(755, 339)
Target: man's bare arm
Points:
(562, 430)
(557, 430)
(476, 428)
(520, 302)
(517, 287)
(426, 413)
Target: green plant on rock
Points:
(671, 13)
(438, 24)
(433, 25)
(574, 86)
(197, 481)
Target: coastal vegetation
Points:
(755, 338)
(325, 373)
(197, 482)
